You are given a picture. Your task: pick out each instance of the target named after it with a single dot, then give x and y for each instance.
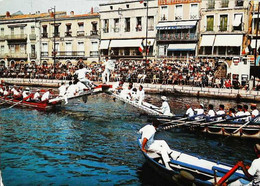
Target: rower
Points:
(16, 94)
(27, 94)
(165, 108)
(190, 112)
(211, 112)
(6, 92)
(1, 91)
(199, 112)
(47, 95)
(220, 112)
(140, 95)
(231, 113)
(62, 89)
(240, 112)
(255, 112)
(247, 113)
(37, 96)
(149, 144)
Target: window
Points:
(94, 46)
(12, 49)
(22, 49)
(178, 12)
(224, 3)
(12, 31)
(57, 47)
(138, 24)
(32, 30)
(127, 6)
(239, 2)
(22, 30)
(116, 25)
(33, 50)
(45, 49)
(106, 25)
(194, 11)
(111, 7)
(81, 26)
(211, 4)
(2, 49)
(127, 25)
(68, 48)
(150, 23)
(56, 31)
(164, 13)
(68, 29)
(2, 31)
(81, 47)
(237, 23)
(210, 23)
(223, 23)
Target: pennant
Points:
(141, 48)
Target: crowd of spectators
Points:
(194, 72)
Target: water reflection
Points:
(95, 144)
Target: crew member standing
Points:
(140, 95)
(109, 66)
(81, 73)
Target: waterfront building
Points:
(178, 28)
(224, 26)
(123, 28)
(74, 37)
(20, 38)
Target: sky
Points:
(31, 6)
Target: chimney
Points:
(8, 14)
(71, 13)
(92, 10)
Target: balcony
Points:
(56, 34)
(44, 35)
(239, 3)
(70, 53)
(211, 5)
(93, 32)
(224, 4)
(16, 37)
(177, 37)
(94, 54)
(44, 54)
(32, 36)
(68, 34)
(80, 33)
(116, 30)
(33, 55)
(17, 55)
(150, 28)
(222, 28)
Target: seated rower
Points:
(165, 108)
(231, 113)
(190, 112)
(6, 92)
(255, 112)
(199, 112)
(47, 95)
(211, 112)
(16, 94)
(220, 112)
(159, 146)
(37, 96)
(27, 95)
(240, 112)
(247, 113)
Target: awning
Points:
(237, 20)
(252, 44)
(229, 40)
(125, 43)
(207, 40)
(182, 47)
(104, 44)
(149, 41)
(176, 25)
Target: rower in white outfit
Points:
(62, 89)
(81, 73)
(149, 144)
(190, 112)
(165, 108)
(109, 66)
(199, 111)
(255, 112)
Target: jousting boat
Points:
(188, 169)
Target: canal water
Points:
(96, 144)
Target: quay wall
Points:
(218, 93)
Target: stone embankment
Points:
(218, 93)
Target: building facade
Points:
(124, 27)
(178, 28)
(71, 37)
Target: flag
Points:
(141, 48)
(141, 1)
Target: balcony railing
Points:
(224, 4)
(70, 53)
(44, 54)
(94, 54)
(150, 28)
(240, 3)
(211, 5)
(116, 29)
(16, 37)
(32, 36)
(68, 34)
(80, 33)
(17, 55)
(56, 34)
(176, 36)
(222, 28)
(45, 35)
(94, 32)
(33, 55)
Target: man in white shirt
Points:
(140, 95)
(149, 144)
(211, 112)
(47, 95)
(37, 96)
(240, 112)
(81, 74)
(247, 113)
(165, 108)
(109, 66)
(62, 89)
(199, 111)
(190, 112)
(220, 112)
(255, 112)
(27, 94)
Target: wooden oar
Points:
(13, 105)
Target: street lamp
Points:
(52, 12)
